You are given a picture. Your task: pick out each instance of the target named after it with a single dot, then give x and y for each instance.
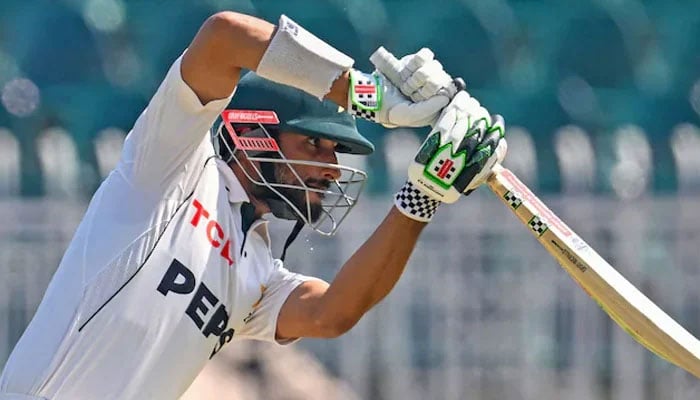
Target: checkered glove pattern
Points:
(414, 203)
(364, 114)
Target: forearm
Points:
(228, 42)
(370, 274)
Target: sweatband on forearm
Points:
(296, 57)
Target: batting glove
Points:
(379, 99)
(456, 158)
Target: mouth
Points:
(323, 188)
(318, 186)
(320, 195)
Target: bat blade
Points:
(622, 301)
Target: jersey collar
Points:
(236, 193)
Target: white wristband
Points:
(296, 57)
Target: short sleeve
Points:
(171, 136)
(262, 325)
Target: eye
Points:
(312, 141)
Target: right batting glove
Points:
(456, 158)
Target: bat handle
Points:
(459, 84)
(497, 168)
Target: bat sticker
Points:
(537, 225)
(571, 257)
(514, 201)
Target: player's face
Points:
(305, 148)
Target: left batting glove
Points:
(376, 98)
(456, 158)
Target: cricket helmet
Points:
(259, 110)
(301, 112)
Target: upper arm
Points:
(305, 313)
(169, 141)
(225, 43)
(172, 132)
(301, 313)
(279, 301)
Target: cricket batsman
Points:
(172, 260)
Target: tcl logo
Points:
(215, 234)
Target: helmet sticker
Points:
(251, 117)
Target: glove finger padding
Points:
(413, 62)
(418, 76)
(439, 85)
(469, 145)
(430, 72)
(463, 134)
(491, 149)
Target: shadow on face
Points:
(299, 147)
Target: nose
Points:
(331, 173)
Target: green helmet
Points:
(301, 112)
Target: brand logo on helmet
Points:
(250, 117)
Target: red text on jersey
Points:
(212, 229)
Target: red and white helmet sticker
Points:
(262, 117)
(256, 144)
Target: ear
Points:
(243, 162)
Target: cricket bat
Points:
(624, 303)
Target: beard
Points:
(298, 197)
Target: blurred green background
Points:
(604, 78)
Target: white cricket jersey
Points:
(159, 276)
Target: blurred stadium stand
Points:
(602, 104)
(9, 165)
(685, 143)
(544, 65)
